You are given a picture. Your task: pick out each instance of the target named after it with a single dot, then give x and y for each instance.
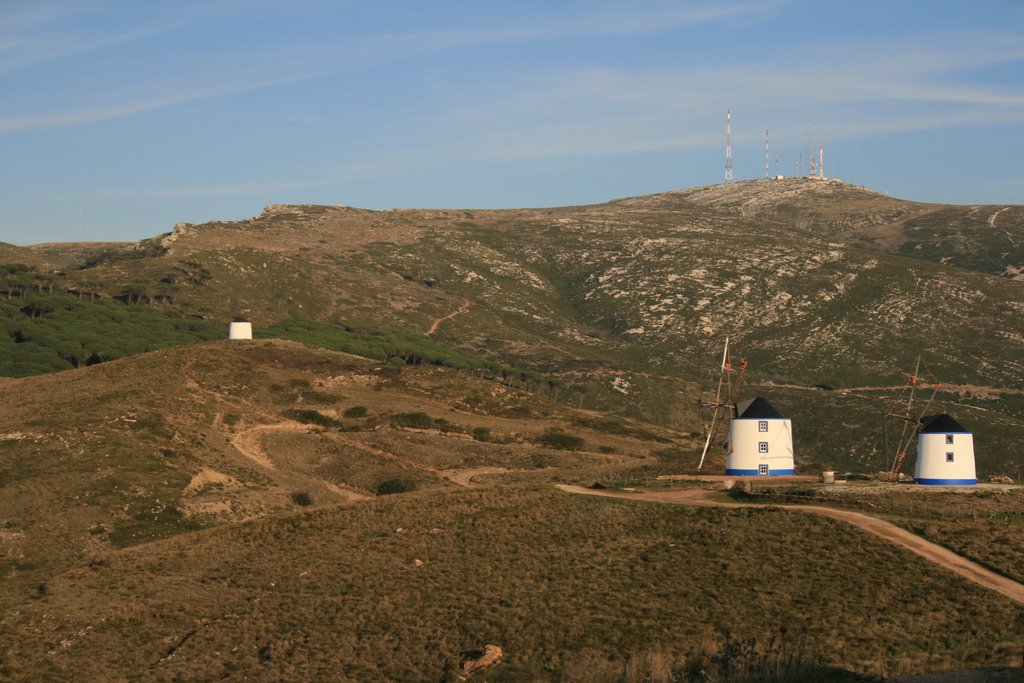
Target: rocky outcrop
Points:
(478, 661)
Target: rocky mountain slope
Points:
(623, 307)
(976, 237)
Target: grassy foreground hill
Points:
(571, 589)
(135, 450)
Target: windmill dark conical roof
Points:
(941, 424)
(758, 408)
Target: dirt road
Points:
(890, 532)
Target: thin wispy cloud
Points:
(147, 99)
(204, 190)
(624, 20)
(268, 67)
(33, 33)
(39, 32)
(690, 94)
(20, 53)
(596, 112)
(27, 16)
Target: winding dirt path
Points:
(247, 442)
(437, 323)
(460, 477)
(971, 571)
(465, 477)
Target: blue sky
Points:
(119, 119)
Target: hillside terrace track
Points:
(972, 571)
(954, 389)
(437, 323)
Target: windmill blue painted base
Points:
(755, 473)
(947, 482)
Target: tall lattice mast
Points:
(821, 161)
(728, 146)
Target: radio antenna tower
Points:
(765, 152)
(821, 162)
(728, 146)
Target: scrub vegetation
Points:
(398, 588)
(364, 491)
(985, 524)
(185, 524)
(46, 332)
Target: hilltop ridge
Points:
(977, 237)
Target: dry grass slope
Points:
(396, 589)
(205, 435)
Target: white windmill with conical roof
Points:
(760, 438)
(760, 441)
(945, 453)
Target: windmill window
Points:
(949, 438)
(762, 446)
(762, 426)
(949, 457)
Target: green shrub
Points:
(803, 491)
(307, 416)
(321, 397)
(301, 498)
(445, 426)
(412, 420)
(557, 439)
(395, 485)
(356, 411)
